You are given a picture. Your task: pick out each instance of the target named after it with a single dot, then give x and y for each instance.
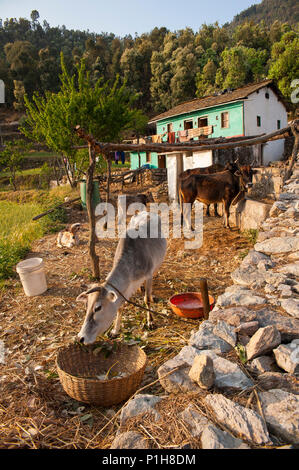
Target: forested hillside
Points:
(269, 11)
(162, 66)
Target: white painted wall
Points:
(198, 159)
(271, 110)
(174, 168)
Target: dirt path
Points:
(34, 410)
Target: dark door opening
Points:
(161, 161)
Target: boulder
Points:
(248, 277)
(214, 438)
(262, 342)
(238, 295)
(281, 411)
(263, 364)
(287, 382)
(287, 357)
(194, 421)
(291, 306)
(292, 268)
(225, 332)
(247, 328)
(205, 338)
(202, 371)
(130, 440)
(227, 374)
(138, 405)
(241, 421)
(278, 245)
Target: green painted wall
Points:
(135, 160)
(235, 111)
(235, 128)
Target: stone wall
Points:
(257, 320)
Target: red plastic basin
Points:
(189, 304)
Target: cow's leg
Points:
(208, 210)
(116, 326)
(226, 213)
(216, 211)
(148, 298)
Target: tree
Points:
(12, 158)
(285, 62)
(103, 110)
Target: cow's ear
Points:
(82, 297)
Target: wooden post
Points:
(203, 285)
(91, 214)
(108, 159)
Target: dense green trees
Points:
(161, 68)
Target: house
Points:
(247, 111)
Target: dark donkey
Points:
(227, 186)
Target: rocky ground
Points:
(235, 385)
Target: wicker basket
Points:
(78, 367)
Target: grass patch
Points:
(18, 230)
(251, 235)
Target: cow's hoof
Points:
(113, 334)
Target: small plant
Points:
(251, 235)
(241, 351)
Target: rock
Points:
(278, 245)
(265, 265)
(194, 421)
(277, 208)
(225, 332)
(130, 440)
(213, 438)
(237, 295)
(202, 371)
(287, 197)
(294, 255)
(285, 291)
(287, 357)
(287, 382)
(248, 277)
(262, 342)
(274, 279)
(263, 364)
(205, 338)
(281, 411)
(138, 405)
(241, 421)
(288, 327)
(233, 316)
(292, 268)
(247, 328)
(291, 306)
(253, 258)
(243, 339)
(227, 374)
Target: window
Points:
(278, 124)
(224, 119)
(188, 125)
(202, 122)
(258, 121)
(169, 127)
(267, 95)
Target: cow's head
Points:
(101, 308)
(246, 172)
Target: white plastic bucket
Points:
(32, 275)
